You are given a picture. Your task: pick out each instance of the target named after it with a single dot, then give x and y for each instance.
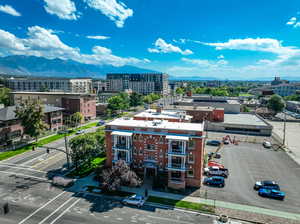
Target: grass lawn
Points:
(182, 204)
(85, 169)
(245, 94)
(44, 141)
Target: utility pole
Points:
(284, 128)
(67, 149)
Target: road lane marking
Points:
(14, 164)
(22, 168)
(58, 217)
(25, 175)
(52, 213)
(36, 211)
(46, 160)
(167, 219)
(35, 158)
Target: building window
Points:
(176, 175)
(191, 158)
(191, 144)
(150, 147)
(190, 173)
(135, 137)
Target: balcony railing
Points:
(121, 146)
(176, 166)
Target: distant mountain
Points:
(39, 66)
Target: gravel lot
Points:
(248, 163)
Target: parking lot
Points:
(250, 162)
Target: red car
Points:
(213, 163)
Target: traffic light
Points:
(33, 148)
(48, 151)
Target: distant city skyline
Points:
(217, 39)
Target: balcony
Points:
(176, 167)
(176, 151)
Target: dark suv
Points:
(267, 184)
(215, 181)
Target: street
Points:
(25, 185)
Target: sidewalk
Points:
(222, 204)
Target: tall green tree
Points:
(4, 96)
(31, 114)
(135, 99)
(76, 118)
(83, 149)
(179, 91)
(276, 103)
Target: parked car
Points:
(267, 184)
(214, 163)
(226, 142)
(216, 171)
(267, 144)
(271, 193)
(214, 155)
(214, 181)
(213, 142)
(136, 200)
(100, 123)
(79, 132)
(61, 181)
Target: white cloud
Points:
(9, 10)
(114, 10)
(98, 37)
(221, 56)
(161, 46)
(292, 21)
(43, 42)
(64, 9)
(254, 44)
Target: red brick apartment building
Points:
(84, 103)
(154, 146)
(12, 130)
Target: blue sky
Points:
(186, 38)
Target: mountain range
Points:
(38, 66)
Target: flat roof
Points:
(162, 124)
(186, 107)
(243, 119)
(164, 114)
(52, 93)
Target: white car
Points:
(79, 132)
(136, 200)
(267, 144)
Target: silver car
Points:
(136, 200)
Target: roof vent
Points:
(156, 122)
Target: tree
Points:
(179, 91)
(276, 103)
(76, 118)
(135, 99)
(119, 174)
(115, 104)
(31, 115)
(4, 96)
(83, 148)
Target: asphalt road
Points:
(248, 163)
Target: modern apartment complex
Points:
(143, 83)
(50, 85)
(286, 89)
(158, 148)
(71, 102)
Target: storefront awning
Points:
(173, 137)
(121, 133)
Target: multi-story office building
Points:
(50, 85)
(158, 148)
(143, 83)
(71, 102)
